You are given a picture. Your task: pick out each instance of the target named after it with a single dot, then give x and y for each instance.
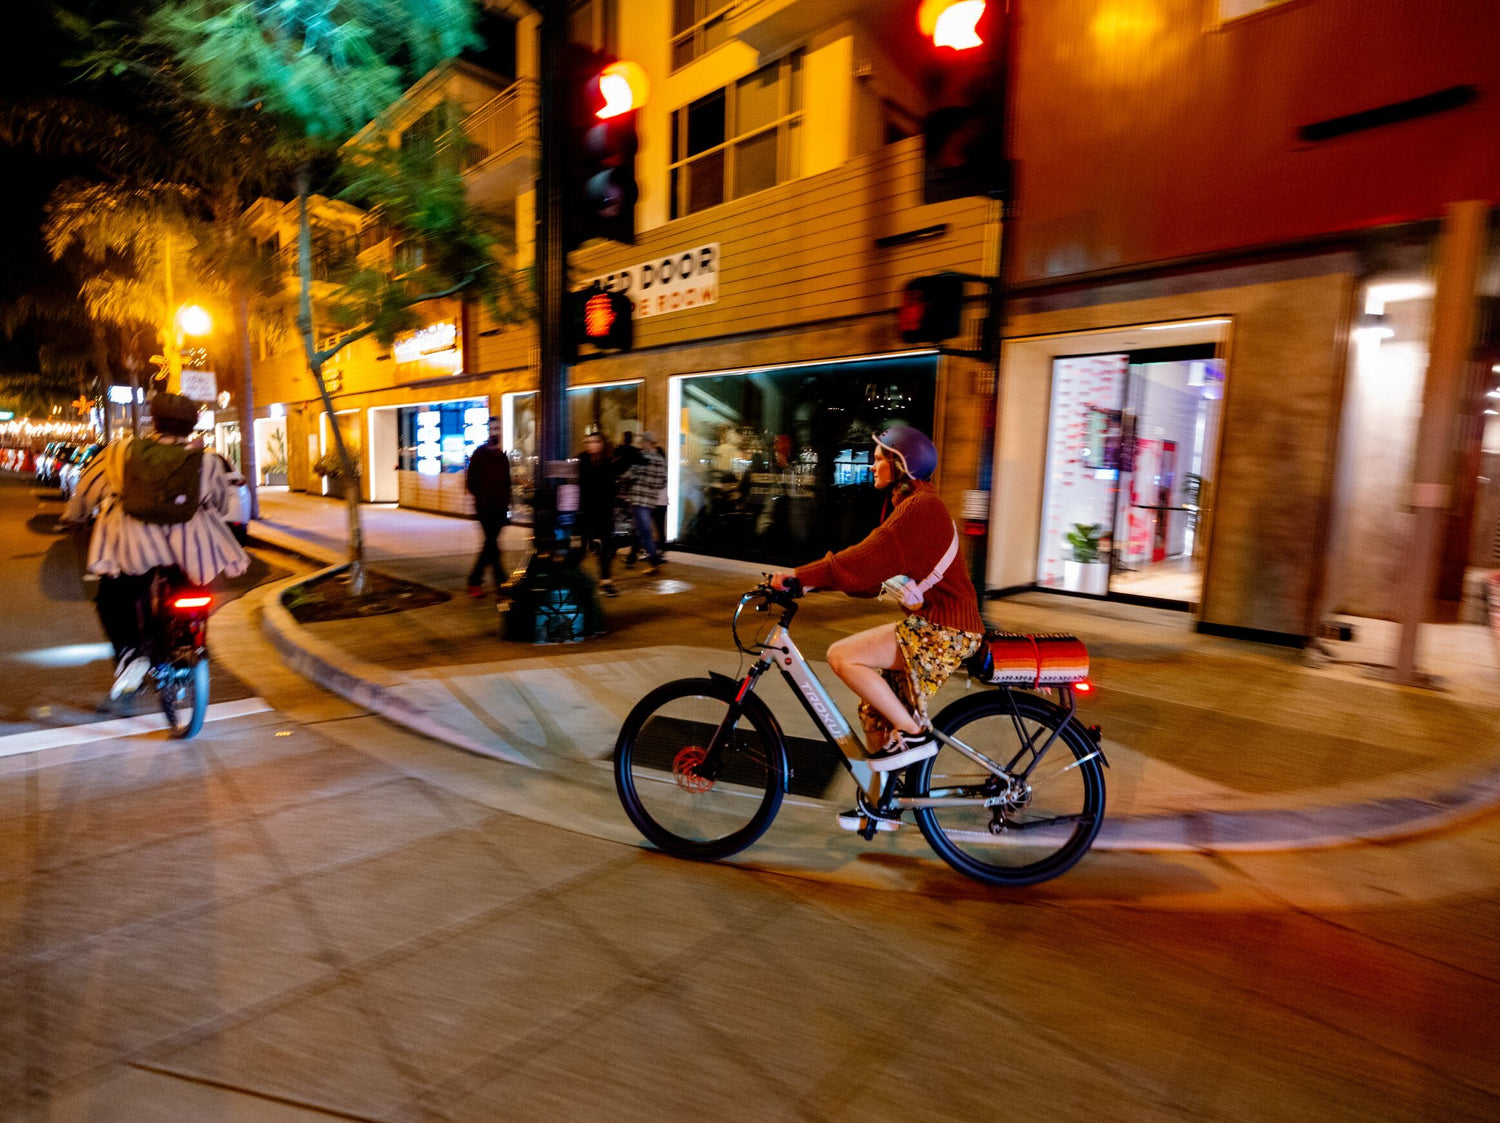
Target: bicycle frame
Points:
(778, 649)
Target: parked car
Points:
(238, 514)
(67, 477)
(50, 463)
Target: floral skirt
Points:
(930, 653)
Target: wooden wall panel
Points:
(1145, 133)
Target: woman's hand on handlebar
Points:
(786, 583)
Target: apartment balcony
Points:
(769, 25)
(502, 161)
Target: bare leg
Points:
(859, 659)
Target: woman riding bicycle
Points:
(894, 668)
(125, 550)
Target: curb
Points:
(1266, 830)
(1257, 830)
(364, 684)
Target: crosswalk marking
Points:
(38, 739)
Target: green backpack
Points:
(161, 482)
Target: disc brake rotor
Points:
(685, 767)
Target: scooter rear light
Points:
(1083, 687)
(189, 603)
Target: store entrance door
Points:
(1132, 447)
(1171, 416)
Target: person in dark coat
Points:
(597, 479)
(488, 481)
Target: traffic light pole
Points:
(552, 262)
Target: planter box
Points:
(1086, 577)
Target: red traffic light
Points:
(932, 308)
(606, 319)
(952, 23)
(623, 86)
(599, 316)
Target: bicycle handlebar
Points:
(767, 595)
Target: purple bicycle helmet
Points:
(914, 452)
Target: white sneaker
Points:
(129, 675)
(908, 749)
(854, 819)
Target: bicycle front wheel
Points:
(183, 687)
(1046, 821)
(688, 793)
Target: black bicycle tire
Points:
(658, 835)
(1073, 737)
(198, 688)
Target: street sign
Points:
(200, 385)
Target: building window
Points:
(698, 26)
(777, 465)
(738, 140)
(440, 437)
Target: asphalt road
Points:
(292, 919)
(308, 914)
(55, 666)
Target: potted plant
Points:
(1088, 570)
(275, 465)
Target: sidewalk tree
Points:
(320, 71)
(150, 159)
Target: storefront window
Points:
(1133, 441)
(775, 465)
(439, 437)
(613, 409)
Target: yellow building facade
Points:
(780, 216)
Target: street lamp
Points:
(193, 319)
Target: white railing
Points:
(503, 127)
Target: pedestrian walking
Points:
(597, 476)
(488, 481)
(647, 480)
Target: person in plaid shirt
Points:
(645, 483)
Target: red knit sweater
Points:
(911, 541)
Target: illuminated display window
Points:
(439, 437)
(776, 465)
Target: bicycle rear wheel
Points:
(183, 688)
(1050, 819)
(691, 800)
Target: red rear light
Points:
(188, 603)
(1083, 687)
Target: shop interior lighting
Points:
(1188, 324)
(1378, 296)
(1372, 325)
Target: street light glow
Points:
(194, 320)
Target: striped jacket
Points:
(646, 479)
(203, 547)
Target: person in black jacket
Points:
(488, 481)
(597, 480)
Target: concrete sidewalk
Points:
(1215, 744)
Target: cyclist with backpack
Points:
(894, 668)
(161, 503)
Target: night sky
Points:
(35, 67)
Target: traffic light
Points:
(964, 133)
(932, 308)
(605, 319)
(601, 94)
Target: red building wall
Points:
(1145, 133)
